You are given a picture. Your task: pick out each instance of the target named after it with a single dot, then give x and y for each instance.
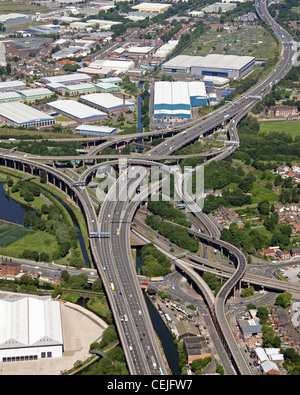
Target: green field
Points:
(292, 128)
(10, 233)
(259, 193)
(34, 241)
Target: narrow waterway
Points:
(163, 333)
(13, 211)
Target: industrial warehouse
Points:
(19, 114)
(227, 66)
(108, 102)
(11, 86)
(175, 99)
(30, 329)
(67, 79)
(78, 111)
(95, 130)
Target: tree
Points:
(283, 299)
(29, 219)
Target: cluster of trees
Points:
(248, 240)
(176, 234)
(167, 211)
(43, 147)
(154, 262)
(199, 364)
(27, 190)
(128, 85)
(265, 150)
(235, 197)
(145, 105)
(214, 282)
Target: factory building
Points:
(103, 67)
(107, 87)
(197, 93)
(67, 79)
(107, 102)
(139, 51)
(78, 111)
(213, 65)
(30, 329)
(152, 7)
(176, 99)
(14, 19)
(217, 82)
(19, 114)
(227, 66)
(110, 80)
(95, 130)
(166, 49)
(6, 97)
(180, 64)
(78, 89)
(11, 86)
(35, 94)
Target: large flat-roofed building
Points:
(14, 19)
(67, 79)
(95, 130)
(103, 67)
(152, 7)
(11, 86)
(227, 66)
(197, 93)
(219, 7)
(180, 64)
(176, 99)
(107, 87)
(35, 94)
(107, 102)
(30, 329)
(139, 51)
(19, 114)
(78, 111)
(6, 97)
(78, 89)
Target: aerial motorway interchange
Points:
(110, 230)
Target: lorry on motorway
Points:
(161, 278)
(153, 362)
(112, 286)
(123, 318)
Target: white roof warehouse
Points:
(107, 102)
(78, 111)
(19, 114)
(227, 66)
(30, 329)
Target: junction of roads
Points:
(112, 255)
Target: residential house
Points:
(9, 269)
(283, 111)
(284, 255)
(282, 169)
(295, 252)
(296, 168)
